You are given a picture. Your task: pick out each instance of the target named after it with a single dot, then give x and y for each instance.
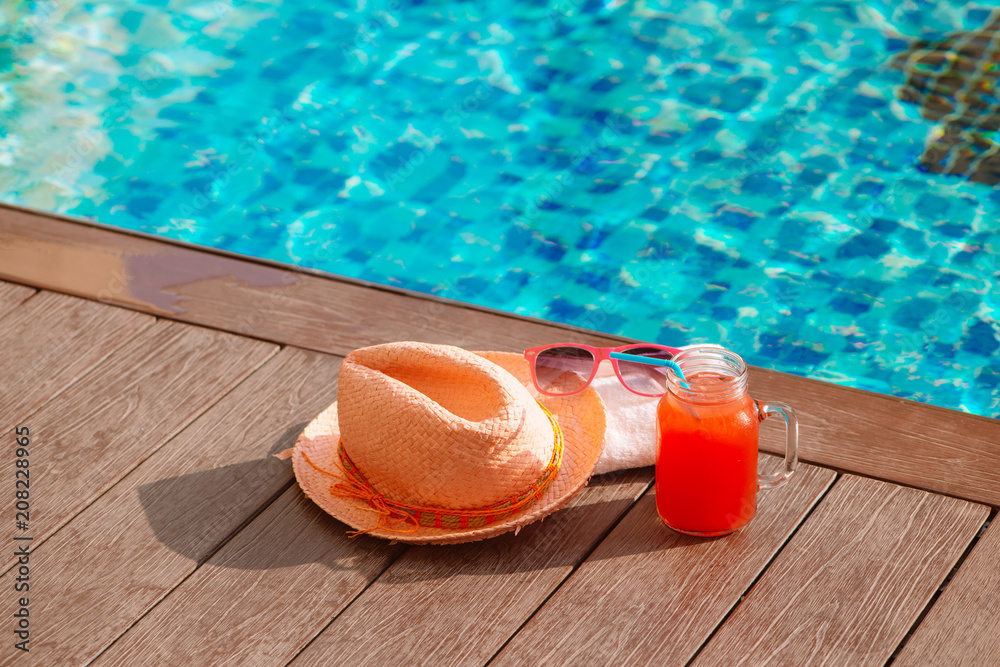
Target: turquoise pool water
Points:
(676, 171)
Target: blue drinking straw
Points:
(651, 361)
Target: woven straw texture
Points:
(440, 426)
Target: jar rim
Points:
(705, 361)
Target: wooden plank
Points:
(853, 430)
(457, 605)
(255, 585)
(50, 342)
(963, 627)
(11, 295)
(649, 595)
(245, 296)
(104, 425)
(880, 436)
(262, 597)
(851, 581)
(114, 561)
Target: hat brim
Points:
(581, 417)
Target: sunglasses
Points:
(562, 369)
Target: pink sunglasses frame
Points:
(600, 354)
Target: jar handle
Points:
(791, 445)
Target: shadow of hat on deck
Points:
(196, 513)
(251, 516)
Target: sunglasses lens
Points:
(645, 378)
(563, 370)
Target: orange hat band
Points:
(405, 518)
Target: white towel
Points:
(630, 437)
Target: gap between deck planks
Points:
(271, 571)
(458, 604)
(49, 342)
(649, 595)
(866, 427)
(245, 296)
(121, 555)
(963, 627)
(852, 581)
(878, 436)
(852, 430)
(96, 431)
(262, 597)
(11, 295)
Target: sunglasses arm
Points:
(669, 363)
(643, 360)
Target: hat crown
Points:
(438, 426)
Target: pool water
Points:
(731, 172)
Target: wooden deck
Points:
(156, 381)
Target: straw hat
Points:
(435, 444)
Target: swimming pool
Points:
(675, 171)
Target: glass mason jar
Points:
(706, 456)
